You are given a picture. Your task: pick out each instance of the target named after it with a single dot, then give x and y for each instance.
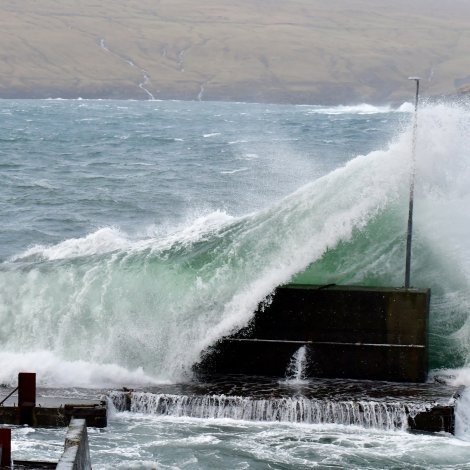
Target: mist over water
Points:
(136, 235)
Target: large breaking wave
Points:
(141, 310)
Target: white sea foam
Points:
(43, 183)
(102, 241)
(52, 371)
(363, 108)
(138, 441)
(231, 172)
(456, 377)
(462, 415)
(405, 108)
(111, 239)
(193, 230)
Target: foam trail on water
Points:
(363, 108)
(156, 302)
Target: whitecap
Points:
(231, 172)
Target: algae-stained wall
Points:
(350, 332)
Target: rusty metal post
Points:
(26, 397)
(5, 447)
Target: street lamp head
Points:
(414, 78)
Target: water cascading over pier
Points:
(382, 405)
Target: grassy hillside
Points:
(310, 51)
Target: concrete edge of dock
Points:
(76, 455)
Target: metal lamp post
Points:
(412, 187)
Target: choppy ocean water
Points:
(134, 234)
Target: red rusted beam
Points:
(26, 397)
(5, 447)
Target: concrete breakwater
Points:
(76, 454)
(369, 333)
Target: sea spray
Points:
(460, 378)
(296, 372)
(441, 256)
(53, 371)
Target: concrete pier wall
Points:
(437, 419)
(76, 454)
(350, 332)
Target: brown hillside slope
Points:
(311, 51)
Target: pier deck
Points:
(56, 410)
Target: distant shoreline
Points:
(290, 52)
(233, 98)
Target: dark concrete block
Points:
(437, 419)
(352, 332)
